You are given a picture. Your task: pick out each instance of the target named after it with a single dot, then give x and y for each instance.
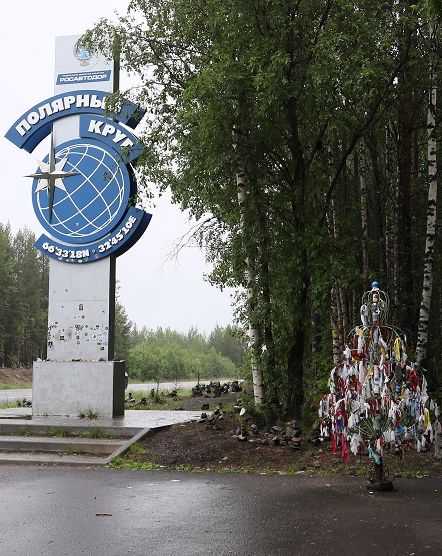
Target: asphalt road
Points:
(15, 394)
(51, 510)
(8, 395)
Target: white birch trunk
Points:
(427, 288)
(249, 275)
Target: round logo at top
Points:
(90, 202)
(83, 56)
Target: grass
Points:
(247, 470)
(293, 469)
(229, 408)
(146, 406)
(187, 468)
(10, 404)
(137, 450)
(412, 474)
(123, 463)
(96, 432)
(126, 462)
(184, 392)
(20, 386)
(160, 401)
(397, 468)
(307, 455)
(181, 393)
(358, 469)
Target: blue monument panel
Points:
(82, 191)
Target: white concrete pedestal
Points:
(78, 387)
(79, 375)
(81, 312)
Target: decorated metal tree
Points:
(377, 397)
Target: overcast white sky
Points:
(154, 290)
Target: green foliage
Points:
(166, 355)
(226, 342)
(123, 329)
(15, 386)
(23, 298)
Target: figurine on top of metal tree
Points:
(377, 397)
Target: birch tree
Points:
(249, 277)
(427, 288)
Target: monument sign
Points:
(83, 194)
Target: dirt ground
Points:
(15, 376)
(214, 446)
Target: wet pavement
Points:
(133, 419)
(47, 510)
(15, 394)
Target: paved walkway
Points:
(133, 419)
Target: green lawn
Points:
(22, 386)
(9, 404)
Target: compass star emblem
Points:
(51, 176)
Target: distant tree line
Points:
(150, 355)
(168, 355)
(23, 298)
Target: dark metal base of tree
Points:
(379, 478)
(380, 486)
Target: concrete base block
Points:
(78, 387)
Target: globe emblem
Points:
(93, 201)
